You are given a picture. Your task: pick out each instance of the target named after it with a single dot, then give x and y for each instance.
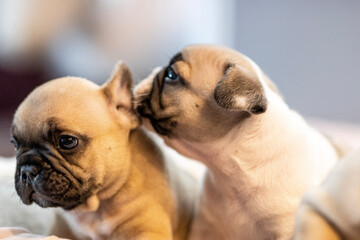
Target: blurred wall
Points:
(142, 33)
(310, 49)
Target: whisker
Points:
(143, 94)
(139, 102)
(141, 97)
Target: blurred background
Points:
(310, 49)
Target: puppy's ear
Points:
(118, 91)
(240, 90)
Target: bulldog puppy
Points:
(80, 148)
(215, 105)
(332, 210)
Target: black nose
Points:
(143, 110)
(140, 109)
(28, 173)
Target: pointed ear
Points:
(118, 91)
(118, 88)
(240, 90)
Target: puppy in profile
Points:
(215, 105)
(80, 148)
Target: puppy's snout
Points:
(30, 166)
(143, 109)
(28, 173)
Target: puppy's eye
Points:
(67, 142)
(13, 141)
(170, 75)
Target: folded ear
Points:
(118, 91)
(240, 90)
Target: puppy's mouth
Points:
(161, 125)
(157, 125)
(150, 106)
(27, 195)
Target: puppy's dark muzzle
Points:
(159, 123)
(29, 167)
(143, 109)
(36, 180)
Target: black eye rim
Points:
(72, 142)
(14, 142)
(171, 79)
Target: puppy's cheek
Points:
(56, 183)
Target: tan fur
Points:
(312, 226)
(341, 148)
(261, 155)
(331, 210)
(136, 193)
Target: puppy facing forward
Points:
(79, 148)
(215, 105)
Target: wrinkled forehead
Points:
(214, 56)
(72, 102)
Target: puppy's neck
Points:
(252, 144)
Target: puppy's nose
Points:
(143, 110)
(28, 173)
(140, 109)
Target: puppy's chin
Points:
(156, 127)
(46, 201)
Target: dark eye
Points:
(68, 142)
(170, 75)
(13, 141)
